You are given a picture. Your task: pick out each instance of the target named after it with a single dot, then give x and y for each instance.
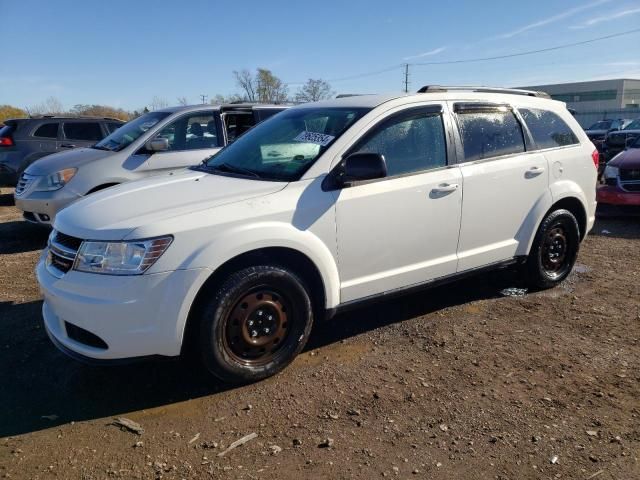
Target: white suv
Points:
(321, 207)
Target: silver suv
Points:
(158, 141)
(25, 140)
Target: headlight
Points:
(55, 181)
(611, 172)
(120, 258)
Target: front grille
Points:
(630, 174)
(62, 253)
(24, 183)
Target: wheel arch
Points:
(102, 187)
(292, 258)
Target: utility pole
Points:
(204, 98)
(406, 78)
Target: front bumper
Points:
(614, 195)
(42, 207)
(135, 316)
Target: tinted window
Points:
(548, 129)
(490, 134)
(112, 127)
(82, 131)
(409, 143)
(47, 130)
(192, 132)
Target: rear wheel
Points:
(255, 324)
(554, 250)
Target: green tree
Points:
(100, 111)
(7, 112)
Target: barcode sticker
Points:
(316, 138)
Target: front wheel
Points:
(255, 323)
(554, 250)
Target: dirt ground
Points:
(456, 382)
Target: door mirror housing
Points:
(361, 167)
(157, 145)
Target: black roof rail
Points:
(510, 91)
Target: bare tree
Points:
(100, 111)
(219, 99)
(314, 90)
(158, 102)
(270, 88)
(183, 101)
(245, 80)
(51, 106)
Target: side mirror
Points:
(363, 166)
(157, 145)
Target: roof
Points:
(225, 106)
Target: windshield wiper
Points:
(97, 147)
(225, 167)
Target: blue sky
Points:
(124, 52)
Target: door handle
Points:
(67, 145)
(534, 172)
(445, 188)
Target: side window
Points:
(548, 129)
(409, 143)
(47, 130)
(112, 126)
(191, 132)
(487, 134)
(82, 131)
(237, 123)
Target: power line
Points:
(480, 59)
(531, 52)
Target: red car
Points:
(622, 178)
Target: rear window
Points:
(47, 130)
(548, 129)
(6, 130)
(492, 133)
(82, 131)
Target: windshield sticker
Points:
(316, 138)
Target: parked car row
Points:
(155, 142)
(25, 140)
(320, 208)
(612, 136)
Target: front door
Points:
(192, 138)
(401, 230)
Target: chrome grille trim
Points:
(25, 183)
(60, 255)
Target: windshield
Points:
(635, 125)
(602, 125)
(130, 131)
(285, 146)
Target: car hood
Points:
(113, 213)
(628, 159)
(67, 159)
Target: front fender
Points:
(247, 238)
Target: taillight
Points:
(6, 142)
(596, 158)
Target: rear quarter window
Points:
(47, 130)
(548, 129)
(487, 134)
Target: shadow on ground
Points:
(39, 381)
(6, 200)
(20, 236)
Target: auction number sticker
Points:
(316, 138)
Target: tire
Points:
(255, 324)
(554, 250)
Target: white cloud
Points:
(555, 18)
(606, 18)
(435, 51)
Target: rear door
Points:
(192, 138)
(503, 181)
(45, 137)
(80, 134)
